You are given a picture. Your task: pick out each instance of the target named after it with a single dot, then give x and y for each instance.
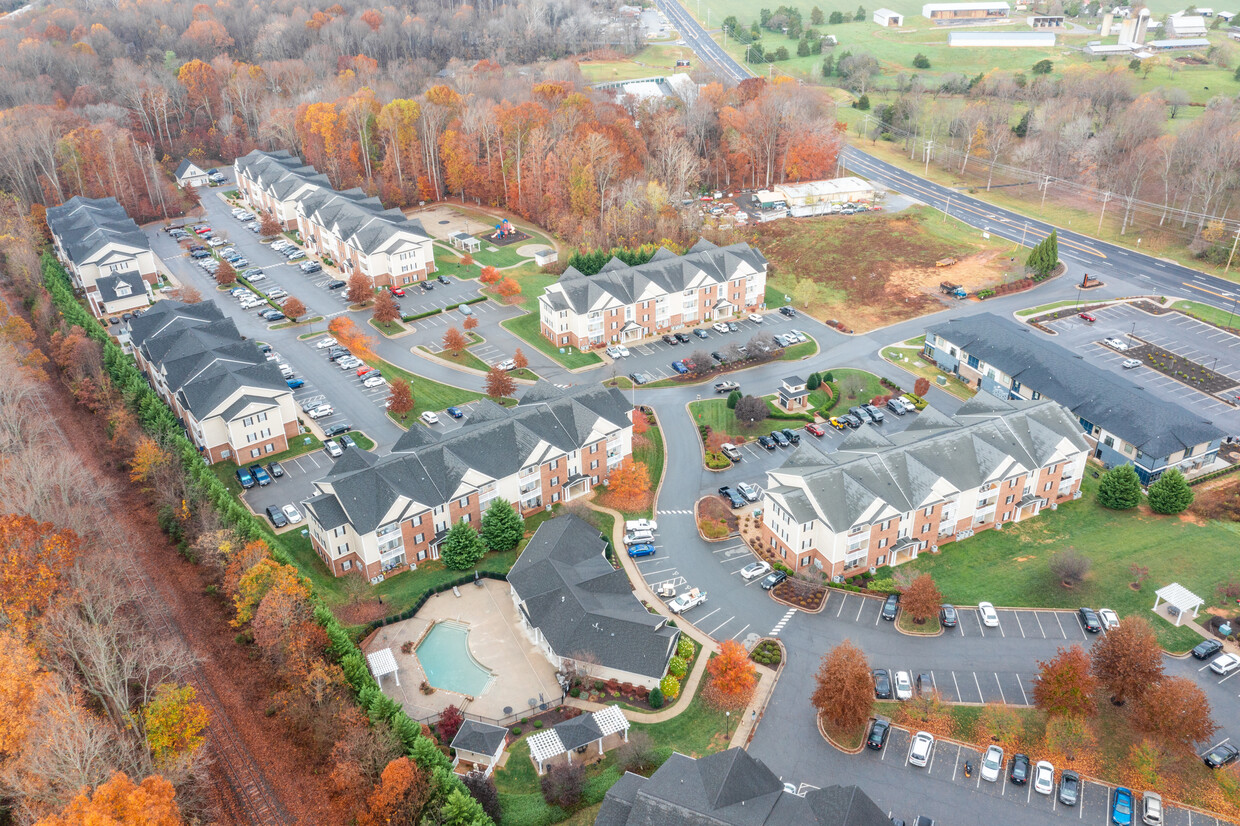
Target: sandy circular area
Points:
(528, 250)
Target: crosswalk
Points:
(683, 512)
(779, 626)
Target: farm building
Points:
(1001, 39)
(816, 197)
(1045, 21)
(887, 17)
(1183, 43)
(1110, 50)
(1187, 25)
(950, 12)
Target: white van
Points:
(638, 537)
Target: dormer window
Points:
(123, 290)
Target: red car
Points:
(397, 291)
(1087, 317)
(815, 429)
(203, 230)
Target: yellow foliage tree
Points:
(174, 722)
(21, 683)
(264, 576)
(33, 558)
(147, 456)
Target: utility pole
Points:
(1022, 233)
(1102, 214)
(1233, 255)
(948, 209)
(1046, 183)
(929, 146)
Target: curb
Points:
(703, 536)
(835, 745)
(757, 714)
(914, 634)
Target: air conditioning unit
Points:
(837, 579)
(873, 570)
(934, 549)
(998, 526)
(1054, 506)
(548, 508)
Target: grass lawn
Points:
(427, 393)
(849, 388)
(905, 623)
(1054, 305)
(363, 441)
(652, 61)
(388, 328)
(526, 327)
(461, 358)
(1205, 312)
(909, 359)
(284, 324)
(650, 452)
(715, 414)
(1011, 567)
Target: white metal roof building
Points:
(975, 40)
(1182, 43)
(887, 17)
(964, 11)
(1188, 25)
(816, 197)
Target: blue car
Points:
(454, 412)
(679, 367)
(261, 476)
(244, 477)
(293, 384)
(1121, 807)
(643, 549)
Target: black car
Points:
(337, 429)
(700, 333)
(772, 579)
(277, 517)
(850, 420)
(947, 616)
(725, 490)
(882, 684)
(1207, 649)
(735, 499)
(779, 438)
(1221, 755)
(312, 268)
(275, 469)
(670, 340)
(891, 607)
(792, 436)
(719, 357)
(335, 285)
(879, 731)
(767, 442)
(443, 279)
(1069, 788)
(1018, 769)
(1089, 619)
(788, 311)
(426, 286)
(683, 338)
(346, 441)
(925, 684)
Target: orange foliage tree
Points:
(519, 360)
(148, 458)
(489, 275)
(400, 401)
(386, 308)
(294, 309)
(119, 802)
(1066, 685)
(455, 340)
(640, 423)
(34, 557)
(733, 677)
(400, 796)
(352, 339)
(508, 288)
(499, 384)
(265, 576)
(226, 274)
(471, 322)
(22, 683)
(628, 486)
(358, 291)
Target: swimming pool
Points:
(447, 663)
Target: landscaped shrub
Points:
(684, 649)
(516, 731)
(670, 686)
(1120, 488)
(767, 652)
(563, 785)
(678, 668)
(656, 698)
(538, 724)
(886, 586)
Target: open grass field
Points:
(1205, 312)
(715, 414)
(1011, 567)
(653, 61)
(875, 269)
(533, 282)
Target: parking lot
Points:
(294, 487)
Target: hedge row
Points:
(1211, 476)
(158, 421)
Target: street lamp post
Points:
(1233, 310)
(727, 725)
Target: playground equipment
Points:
(502, 230)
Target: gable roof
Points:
(479, 737)
(1154, 424)
(188, 168)
(86, 225)
(730, 787)
(108, 285)
(584, 607)
(664, 274)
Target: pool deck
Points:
(496, 642)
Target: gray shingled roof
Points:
(730, 787)
(1153, 423)
(584, 607)
(479, 737)
(902, 469)
(184, 166)
(426, 467)
(108, 284)
(669, 272)
(579, 731)
(327, 511)
(86, 225)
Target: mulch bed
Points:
(515, 237)
(1182, 369)
(803, 595)
(1147, 306)
(548, 718)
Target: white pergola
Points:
(1180, 598)
(595, 727)
(382, 663)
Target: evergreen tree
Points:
(1022, 126)
(859, 17)
(836, 18)
(828, 67)
(733, 398)
(462, 547)
(920, 61)
(813, 382)
(815, 16)
(502, 528)
(1120, 488)
(862, 103)
(803, 48)
(1170, 493)
(1044, 257)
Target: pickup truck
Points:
(726, 386)
(641, 525)
(686, 601)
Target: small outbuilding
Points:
(1045, 21)
(191, 174)
(953, 12)
(793, 394)
(465, 241)
(544, 257)
(1180, 44)
(605, 728)
(1179, 601)
(479, 744)
(1186, 25)
(382, 663)
(887, 17)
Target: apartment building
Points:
(882, 500)
(349, 227)
(376, 516)
(106, 253)
(623, 303)
(233, 403)
(1124, 424)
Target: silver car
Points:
(923, 745)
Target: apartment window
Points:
(594, 465)
(347, 565)
(419, 539)
(255, 453)
(421, 555)
(1047, 486)
(554, 463)
(342, 548)
(925, 528)
(1009, 500)
(882, 543)
(928, 511)
(594, 448)
(555, 497)
(338, 532)
(268, 448)
(886, 524)
(555, 481)
(464, 503)
(464, 517)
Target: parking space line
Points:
(1001, 695)
(742, 631)
(1060, 624)
(1039, 621)
(958, 699)
(1018, 622)
(860, 608)
(1021, 684)
(981, 698)
(712, 631)
(708, 616)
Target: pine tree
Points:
(502, 528)
(1170, 493)
(1120, 488)
(462, 547)
(813, 382)
(733, 398)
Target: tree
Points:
(268, 226)
(733, 398)
(400, 400)
(450, 720)
(482, 788)
(519, 359)
(1066, 685)
(502, 527)
(293, 308)
(174, 721)
(1021, 129)
(462, 547)
(732, 677)
(1120, 488)
(1069, 567)
(751, 410)
(1176, 98)
(508, 288)
(920, 61)
(628, 486)
(471, 323)
(1044, 257)
(386, 309)
(835, 18)
(860, 15)
(499, 385)
(119, 801)
(1128, 660)
(828, 66)
(922, 600)
(467, 260)
(225, 274)
(148, 458)
(806, 291)
(862, 104)
(34, 559)
(22, 685)
(564, 784)
(1176, 713)
(921, 387)
(813, 382)
(358, 291)
(844, 687)
(401, 795)
(999, 724)
(1170, 493)
(489, 275)
(189, 295)
(1043, 67)
(455, 341)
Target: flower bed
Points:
(1187, 371)
(804, 595)
(715, 519)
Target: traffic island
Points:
(905, 624)
(845, 740)
(799, 594)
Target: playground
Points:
(495, 241)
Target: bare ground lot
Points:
(877, 269)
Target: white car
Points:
(1043, 777)
(291, 514)
(373, 381)
(1225, 664)
(750, 492)
(322, 411)
(348, 363)
(333, 450)
(614, 351)
(1151, 809)
(624, 351)
(923, 745)
(429, 418)
(801, 337)
(754, 570)
(216, 242)
(904, 686)
(990, 617)
(720, 328)
(1109, 618)
(325, 342)
(1128, 364)
(1116, 343)
(992, 763)
(506, 364)
(755, 318)
(280, 245)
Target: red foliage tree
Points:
(1066, 686)
(489, 275)
(499, 384)
(449, 724)
(733, 677)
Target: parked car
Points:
(700, 333)
(1018, 769)
(766, 442)
(1044, 777)
(679, 367)
(787, 311)
(337, 429)
(346, 442)
(292, 514)
(891, 607)
(297, 255)
(613, 351)
(755, 318)
(923, 745)
(1151, 809)
(1221, 755)
(780, 439)
(396, 291)
(641, 525)
(904, 686)
(443, 279)
(275, 469)
(683, 338)
(735, 499)
(506, 364)
(751, 493)
(1225, 664)
(260, 475)
(276, 516)
(429, 418)
(1116, 343)
(455, 412)
(1069, 788)
(1207, 649)
(1121, 806)
(335, 284)
(992, 763)
(1109, 618)
(244, 477)
(726, 386)
(947, 616)
(293, 384)
(791, 435)
(860, 413)
(333, 449)
(882, 684)
(837, 423)
(897, 405)
(644, 549)
(1089, 619)
(1087, 317)
(875, 413)
(321, 412)
(990, 617)
(772, 579)
(1128, 364)
(815, 430)
(373, 381)
(880, 729)
(669, 340)
(311, 267)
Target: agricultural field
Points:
(652, 61)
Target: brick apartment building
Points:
(106, 253)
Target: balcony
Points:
(530, 487)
